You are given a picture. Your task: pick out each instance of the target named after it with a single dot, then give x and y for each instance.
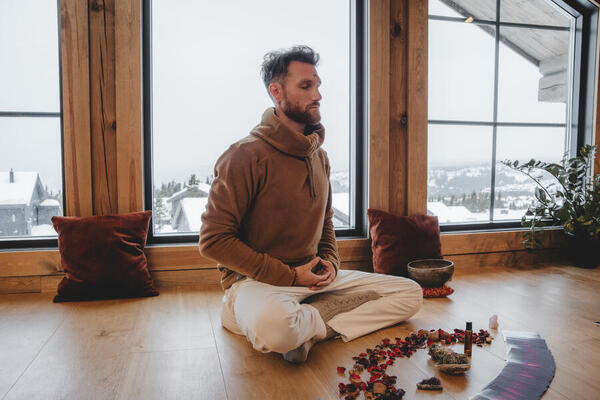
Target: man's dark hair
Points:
(275, 63)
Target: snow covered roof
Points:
(18, 192)
(43, 230)
(202, 187)
(341, 208)
(341, 202)
(50, 203)
(192, 209)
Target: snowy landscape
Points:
(462, 194)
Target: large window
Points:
(31, 183)
(505, 82)
(203, 92)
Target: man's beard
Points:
(303, 116)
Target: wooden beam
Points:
(76, 107)
(398, 110)
(102, 84)
(129, 106)
(417, 108)
(379, 106)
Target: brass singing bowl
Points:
(431, 272)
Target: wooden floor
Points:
(173, 346)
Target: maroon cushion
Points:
(398, 240)
(103, 257)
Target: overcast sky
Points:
(208, 92)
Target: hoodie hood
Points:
(287, 140)
(291, 142)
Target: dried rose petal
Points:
(341, 370)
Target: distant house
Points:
(24, 203)
(341, 209)
(187, 214)
(199, 190)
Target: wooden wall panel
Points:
(417, 107)
(173, 257)
(398, 107)
(31, 262)
(129, 106)
(210, 277)
(379, 107)
(472, 263)
(21, 284)
(354, 249)
(76, 107)
(102, 92)
(487, 242)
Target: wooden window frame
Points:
(397, 111)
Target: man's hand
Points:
(327, 270)
(315, 281)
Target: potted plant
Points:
(572, 201)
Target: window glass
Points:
(459, 173)
(207, 93)
(29, 71)
(514, 190)
(536, 12)
(480, 9)
(534, 76)
(486, 106)
(461, 71)
(31, 179)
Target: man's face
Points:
(300, 96)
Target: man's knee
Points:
(275, 329)
(416, 296)
(408, 298)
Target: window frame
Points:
(34, 242)
(582, 106)
(358, 126)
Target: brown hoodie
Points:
(269, 207)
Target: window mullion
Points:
(495, 126)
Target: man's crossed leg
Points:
(273, 318)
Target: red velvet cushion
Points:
(103, 257)
(398, 240)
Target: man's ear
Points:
(276, 91)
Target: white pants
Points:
(272, 318)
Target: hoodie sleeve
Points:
(328, 245)
(237, 180)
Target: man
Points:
(268, 224)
